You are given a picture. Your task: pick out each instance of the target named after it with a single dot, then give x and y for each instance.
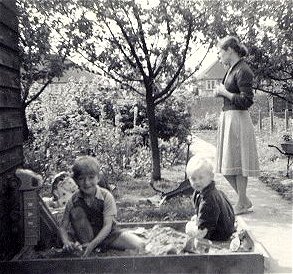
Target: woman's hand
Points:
(220, 90)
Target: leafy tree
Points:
(145, 48)
(270, 40)
(40, 61)
(266, 28)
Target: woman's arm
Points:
(243, 99)
(221, 91)
(244, 79)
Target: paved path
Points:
(271, 221)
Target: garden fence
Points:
(285, 118)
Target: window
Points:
(210, 84)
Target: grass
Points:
(137, 201)
(135, 196)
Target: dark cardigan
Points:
(238, 80)
(215, 213)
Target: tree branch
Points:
(274, 94)
(130, 22)
(165, 53)
(121, 82)
(144, 45)
(131, 46)
(167, 88)
(132, 64)
(49, 81)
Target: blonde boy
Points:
(214, 219)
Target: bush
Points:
(61, 132)
(173, 120)
(172, 152)
(54, 149)
(210, 122)
(140, 162)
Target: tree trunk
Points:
(25, 129)
(156, 165)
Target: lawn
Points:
(137, 201)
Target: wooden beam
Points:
(8, 37)
(8, 58)
(9, 78)
(10, 158)
(9, 98)
(11, 138)
(10, 119)
(230, 263)
(11, 5)
(7, 14)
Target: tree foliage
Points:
(271, 44)
(266, 28)
(147, 46)
(41, 59)
(143, 47)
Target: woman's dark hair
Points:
(233, 43)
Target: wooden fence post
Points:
(286, 119)
(259, 120)
(272, 120)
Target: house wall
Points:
(11, 152)
(207, 87)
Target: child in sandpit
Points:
(89, 217)
(214, 219)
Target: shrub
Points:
(54, 149)
(173, 120)
(210, 122)
(140, 162)
(61, 131)
(172, 152)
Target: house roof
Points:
(215, 71)
(75, 74)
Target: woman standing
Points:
(237, 157)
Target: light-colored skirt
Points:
(236, 145)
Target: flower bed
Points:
(279, 183)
